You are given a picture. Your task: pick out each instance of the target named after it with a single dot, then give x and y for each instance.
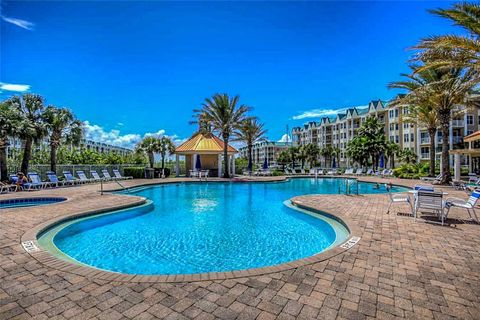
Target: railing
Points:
(348, 186)
(118, 182)
(425, 140)
(458, 123)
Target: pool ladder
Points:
(118, 182)
(348, 186)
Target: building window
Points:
(405, 137)
(470, 120)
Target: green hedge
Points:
(135, 172)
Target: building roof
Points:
(203, 143)
(472, 137)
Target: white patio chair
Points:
(398, 198)
(465, 204)
(430, 200)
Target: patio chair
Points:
(302, 171)
(349, 171)
(52, 177)
(370, 172)
(430, 200)
(83, 177)
(465, 204)
(96, 176)
(311, 172)
(107, 176)
(458, 185)
(118, 175)
(194, 174)
(36, 181)
(398, 198)
(472, 177)
(204, 174)
(70, 179)
(359, 172)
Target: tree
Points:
(224, 116)
(312, 151)
(250, 131)
(33, 128)
(372, 130)
(391, 150)
(454, 51)
(293, 153)
(10, 123)
(326, 153)
(165, 147)
(62, 127)
(357, 150)
(149, 146)
(302, 155)
(420, 102)
(336, 153)
(408, 156)
(284, 158)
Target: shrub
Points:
(135, 172)
(411, 171)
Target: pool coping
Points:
(45, 257)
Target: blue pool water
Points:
(204, 227)
(28, 202)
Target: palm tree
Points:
(165, 147)
(33, 129)
(150, 146)
(454, 51)
(391, 150)
(374, 143)
(250, 131)
(326, 153)
(357, 151)
(293, 152)
(312, 151)
(224, 116)
(302, 154)
(10, 123)
(336, 153)
(408, 156)
(420, 103)
(63, 126)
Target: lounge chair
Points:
(359, 172)
(458, 185)
(465, 204)
(6, 188)
(83, 177)
(332, 172)
(473, 178)
(302, 171)
(194, 174)
(36, 181)
(349, 171)
(312, 172)
(107, 176)
(370, 172)
(70, 179)
(430, 179)
(118, 175)
(286, 171)
(430, 200)
(52, 177)
(96, 176)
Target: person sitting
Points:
(22, 180)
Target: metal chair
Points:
(465, 204)
(430, 200)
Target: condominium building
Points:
(338, 130)
(265, 149)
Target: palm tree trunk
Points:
(226, 173)
(431, 133)
(3, 159)
(27, 153)
(53, 158)
(163, 161)
(446, 175)
(250, 160)
(151, 159)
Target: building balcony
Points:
(425, 141)
(458, 123)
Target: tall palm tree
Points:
(453, 51)
(149, 146)
(420, 102)
(391, 150)
(374, 143)
(302, 155)
(63, 127)
(293, 152)
(165, 147)
(336, 153)
(10, 123)
(326, 153)
(224, 116)
(312, 151)
(357, 150)
(408, 156)
(33, 128)
(250, 131)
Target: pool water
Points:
(204, 227)
(28, 202)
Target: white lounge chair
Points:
(70, 179)
(118, 175)
(194, 174)
(370, 172)
(430, 179)
(359, 172)
(96, 176)
(83, 177)
(36, 181)
(465, 204)
(349, 171)
(53, 178)
(107, 176)
(6, 188)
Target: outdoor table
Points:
(415, 192)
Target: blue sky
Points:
(133, 68)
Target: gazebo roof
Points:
(203, 143)
(472, 137)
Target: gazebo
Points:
(472, 152)
(204, 151)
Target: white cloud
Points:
(114, 137)
(285, 138)
(318, 113)
(120, 124)
(14, 87)
(19, 22)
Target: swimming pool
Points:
(28, 202)
(203, 227)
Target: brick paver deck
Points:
(399, 269)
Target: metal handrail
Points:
(118, 182)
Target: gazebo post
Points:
(233, 165)
(456, 166)
(177, 165)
